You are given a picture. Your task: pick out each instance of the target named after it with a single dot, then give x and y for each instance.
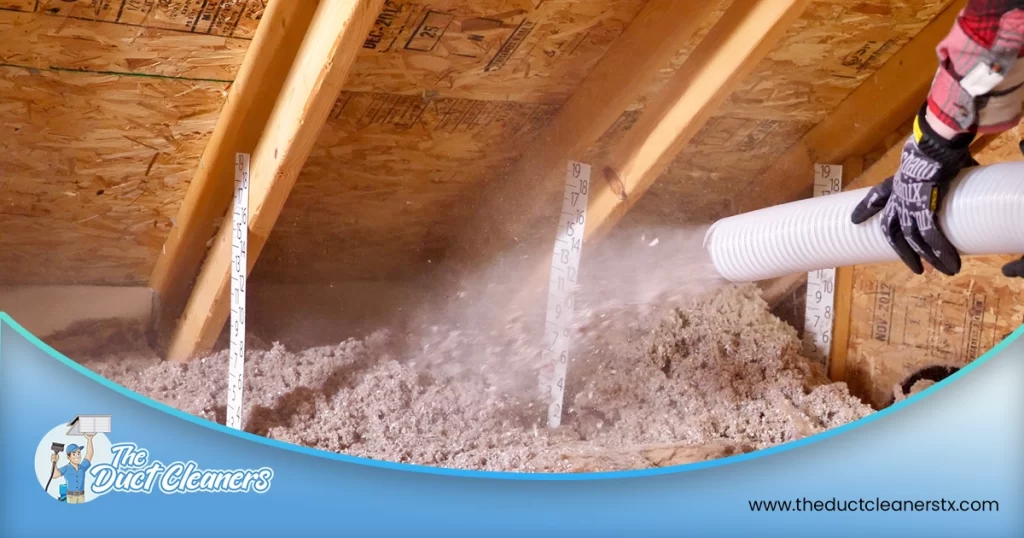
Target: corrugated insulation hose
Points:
(982, 215)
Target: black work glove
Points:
(1014, 269)
(910, 200)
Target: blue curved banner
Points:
(946, 462)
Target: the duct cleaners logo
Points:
(76, 463)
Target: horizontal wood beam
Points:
(876, 108)
(508, 207)
(322, 64)
(739, 41)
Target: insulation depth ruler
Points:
(239, 264)
(819, 314)
(565, 270)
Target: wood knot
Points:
(615, 183)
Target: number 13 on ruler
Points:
(565, 269)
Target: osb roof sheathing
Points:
(105, 107)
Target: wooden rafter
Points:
(648, 45)
(890, 161)
(741, 39)
(246, 110)
(730, 51)
(322, 64)
(876, 108)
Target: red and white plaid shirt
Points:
(979, 86)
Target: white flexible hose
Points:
(981, 215)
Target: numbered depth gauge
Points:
(565, 270)
(239, 263)
(821, 285)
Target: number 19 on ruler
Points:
(821, 284)
(565, 270)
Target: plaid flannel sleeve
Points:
(979, 85)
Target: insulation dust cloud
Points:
(669, 365)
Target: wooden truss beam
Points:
(738, 42)
(747, 31)
(876, 108)
(507, 208)
(245, 113)
(317, 76)
(888, 163)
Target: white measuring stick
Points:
(239, 263)
(565, 270)
(819, 313)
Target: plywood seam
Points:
(56, 69)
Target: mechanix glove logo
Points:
(909, 202)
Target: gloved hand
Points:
(910, 199)
(1014, 269)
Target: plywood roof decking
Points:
(492, 67)
(103, 124)
(444, 92)
(904, 322)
